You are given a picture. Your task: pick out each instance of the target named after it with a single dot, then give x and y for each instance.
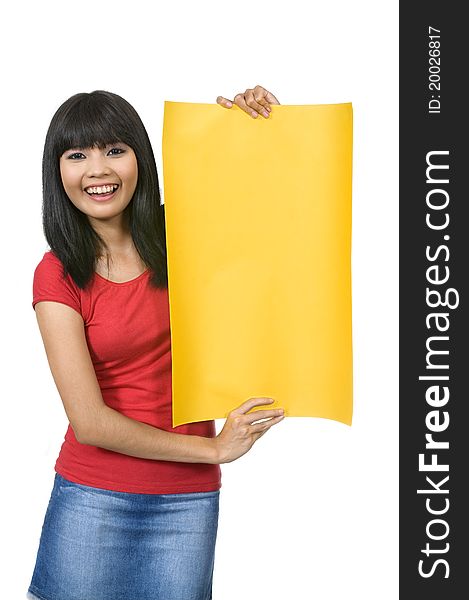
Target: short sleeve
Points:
(50, 284)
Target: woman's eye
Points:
(111, 151)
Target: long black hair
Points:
(89, 120)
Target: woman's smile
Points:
(101, 193)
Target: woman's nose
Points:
(97, 165)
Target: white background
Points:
(311, 512)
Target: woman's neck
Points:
(116, 234)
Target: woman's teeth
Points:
(107, 189)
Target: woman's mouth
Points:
(101, 193)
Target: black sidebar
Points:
(434, 272)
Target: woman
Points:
(133, 512)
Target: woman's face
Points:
(86, 170)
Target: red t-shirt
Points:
(127, 329)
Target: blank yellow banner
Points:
(258, 225)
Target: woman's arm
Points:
(96, 424)
(92, 421)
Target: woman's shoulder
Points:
(51, 283)
(50, 266)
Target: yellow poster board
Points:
(258, 226)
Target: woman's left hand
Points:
(255, 101)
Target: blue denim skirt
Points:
(99, 544)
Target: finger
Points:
(263, 427)
(266, 95)
(263, 97)
(240, 101)
(224, 102)
(246, 406)
(252, 103)
(259, 435)
(271, 98)
(257, 415)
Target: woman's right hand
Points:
(241, 430)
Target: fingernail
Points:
(228, 103)
(254, 115)
(265, 113)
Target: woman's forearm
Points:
(114, 431)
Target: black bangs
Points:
(90, 120)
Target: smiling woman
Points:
(125, 479)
